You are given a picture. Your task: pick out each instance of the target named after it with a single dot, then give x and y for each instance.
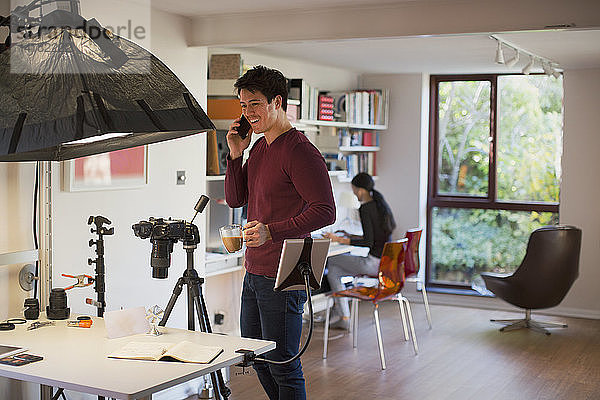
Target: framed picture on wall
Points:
(121, 169)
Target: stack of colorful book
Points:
(325, 108)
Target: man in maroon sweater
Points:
(287, 188)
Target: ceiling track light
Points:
(549, 67)
(527, 69)
(513, 61)
(546, 68)
(499, 54)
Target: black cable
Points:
(310, 329)
(35, 225)
(6, 326)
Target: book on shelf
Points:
(325, 107)
(366, 107)
(299, 90)
(339, 105)
(370, 138)
(356, 138)
(314, 103)
(184, 351)
(372, 164)
(308, 97)
(364, 162)
(360, 107)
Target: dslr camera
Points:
(163, 234)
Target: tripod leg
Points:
(221, 390)
(172, 300)
(201, 312)
(59, 393)
(190, 308)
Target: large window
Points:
(494, 172)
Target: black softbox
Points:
(65, 86)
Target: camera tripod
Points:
(195, 300)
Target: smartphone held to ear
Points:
(244, 127)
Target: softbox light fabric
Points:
(65, 85)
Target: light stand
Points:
(195, 300)
(99, 285)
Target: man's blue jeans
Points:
(275, 316)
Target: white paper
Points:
(127, 322)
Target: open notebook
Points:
(183, 351)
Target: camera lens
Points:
(160, 259)
(32, 308)
(57, 309)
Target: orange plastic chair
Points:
(390, 283)
(411, 268)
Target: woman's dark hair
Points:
(268, 81)
(365, 181)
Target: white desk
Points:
(336, 248)
(75, 359)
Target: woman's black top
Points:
(373, 236)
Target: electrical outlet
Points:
(181, 177)
(219, 317)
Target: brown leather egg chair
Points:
(546, 274)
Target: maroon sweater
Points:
(287, 187)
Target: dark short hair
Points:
(268, 81)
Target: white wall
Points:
(580, 188)
(16, 229)
(399, 158)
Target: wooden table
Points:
(75, 359)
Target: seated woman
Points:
(377, 223)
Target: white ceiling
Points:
(473, 53)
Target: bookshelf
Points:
(340, 124)
(343, 125)
(349, 140)
(349, 151)
(223, 107)
(358, 149)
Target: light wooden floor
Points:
(464, 356)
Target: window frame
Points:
(488, 202)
